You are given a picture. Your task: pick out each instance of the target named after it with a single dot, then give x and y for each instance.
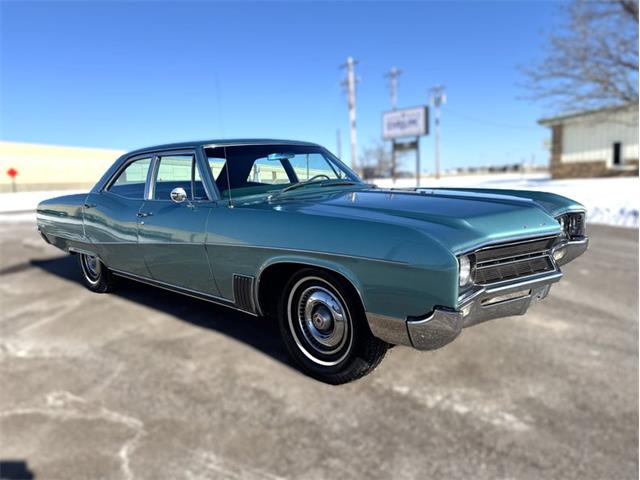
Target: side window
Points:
(131, 181)
(178, 171)
(267, 171)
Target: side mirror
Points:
(178, 195)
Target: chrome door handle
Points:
(89, 205)
(143, 214)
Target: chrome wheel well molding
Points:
(300, 264)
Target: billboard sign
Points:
(407, 122)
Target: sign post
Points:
(404, 123)
(12, 172)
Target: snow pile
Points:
(609, 201)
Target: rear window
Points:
(131, 181)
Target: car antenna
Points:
(226, 164)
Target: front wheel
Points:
(95, 275)
(325, 330)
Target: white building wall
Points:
(49, 166)
(591, 138)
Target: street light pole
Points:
(393, 75)
(351, 91)
(438, 98)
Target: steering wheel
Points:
(320, 175)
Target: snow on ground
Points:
(609, 201)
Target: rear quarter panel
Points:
(62, 218)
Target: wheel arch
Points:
(273, 275)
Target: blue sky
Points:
(129, 74)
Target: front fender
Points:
(392, 289)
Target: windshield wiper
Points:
(320, 183)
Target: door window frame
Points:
(122, 168)
(154, 156)
(197, 163)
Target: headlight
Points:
(465, 270)
(572, 225)
(563, 225)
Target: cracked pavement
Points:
(144, 383)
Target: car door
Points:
(172, 234)
(111, 216)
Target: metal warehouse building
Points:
(594, 143)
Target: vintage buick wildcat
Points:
(284, 229)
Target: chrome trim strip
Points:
(125, 163)
(184, 291)
(263, 267)
(508, 243)
(84, 252)
(513, 258)
(546, 277)
(261, 144)
(294, 250)
(280, 249)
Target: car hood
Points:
(460, 220)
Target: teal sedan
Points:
(284, 229)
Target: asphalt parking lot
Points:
(144, 383)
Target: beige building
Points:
(52, 167)
(594, 143)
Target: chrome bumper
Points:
(567, 251)
(443, 325)
(484, 303)
(487, 303)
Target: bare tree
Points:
(376, 158)
(593, 60)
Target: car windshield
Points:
(260, 169)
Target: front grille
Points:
(514, 249)
(510, 261)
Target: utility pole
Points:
(438, 98)
(350, 83)
(339, 143)
(393, 75)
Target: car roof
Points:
(221, 142)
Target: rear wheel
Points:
(95, 275)
(324, 328)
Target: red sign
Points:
(12, 172)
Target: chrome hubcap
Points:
(91, 267)
(322, 320)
